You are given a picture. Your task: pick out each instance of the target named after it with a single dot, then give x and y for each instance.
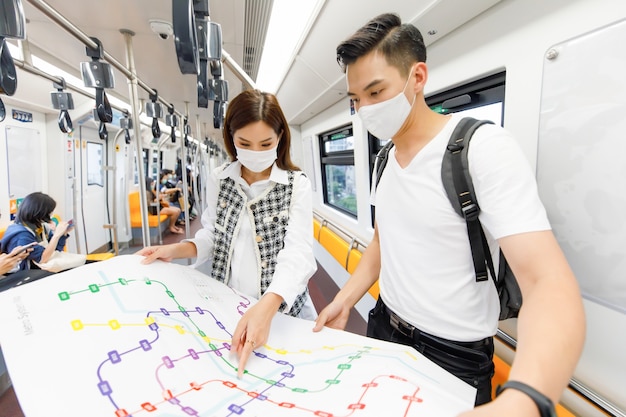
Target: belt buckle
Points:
(400, 325)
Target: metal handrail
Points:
(349, 237)
(62, 21)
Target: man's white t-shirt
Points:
(427, 274)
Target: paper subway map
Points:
(117, 338)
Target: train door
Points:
(123, 181)
(92, 211)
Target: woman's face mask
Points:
(252, 143)
(257, 161)
(385, 119)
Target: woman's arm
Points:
(54, 242)
(205, 236)
(168, 252)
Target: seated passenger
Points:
(171, 189)
(166, 208)
(190, 188)
(10, 274)
(9, 262)
(33, 225)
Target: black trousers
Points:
(472, 362)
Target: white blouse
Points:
(295, 262)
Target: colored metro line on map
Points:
(125, 339)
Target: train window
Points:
(95, 172)
(338, 179)
(482, 99)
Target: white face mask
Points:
(385, 119)
(256, 161)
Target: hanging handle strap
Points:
(103, 107)
(102, 131)
(65, 122)
(156, 129)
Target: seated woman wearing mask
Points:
(33, 227)
(257, 227)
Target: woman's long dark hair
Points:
(35, 209)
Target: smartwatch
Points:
(543, 403)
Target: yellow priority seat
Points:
(340, 250)
(100, 256)
(135, 213)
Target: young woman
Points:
(33, 225)
(172, 192)
(166, 208)
(257, 227)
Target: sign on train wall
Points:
(24, 150)
(581, 163)
(581, 166)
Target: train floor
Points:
(322, 289)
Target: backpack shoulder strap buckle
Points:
(470, 212)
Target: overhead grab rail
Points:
(63, 101)
(172, 121)
(59, 19)
(155, 111)
(56, 80)
(12, 25)
(126, 123)
(99, 75)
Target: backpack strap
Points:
(381, 160)
(460, 190)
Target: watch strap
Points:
(543, 403)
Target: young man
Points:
(429, 297)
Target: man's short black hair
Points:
(401, 44)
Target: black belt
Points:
(410, 331)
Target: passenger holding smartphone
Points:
(9, 262)
(33, 225)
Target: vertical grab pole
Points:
(183, 172)
(112, 171)
(134, 98)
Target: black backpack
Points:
(458, 185)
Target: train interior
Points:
(109, 93)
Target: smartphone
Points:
(70, 223)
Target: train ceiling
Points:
(311, 83)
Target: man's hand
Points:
(334, 315)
